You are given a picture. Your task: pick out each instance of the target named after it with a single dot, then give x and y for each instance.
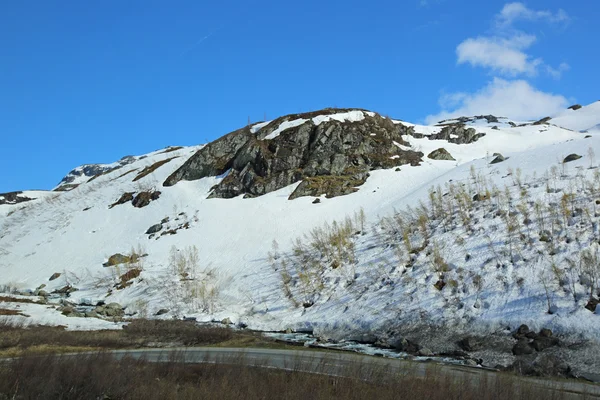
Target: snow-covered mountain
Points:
(474, 236)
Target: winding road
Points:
(344, 363)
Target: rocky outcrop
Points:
(91, 171)
(329, 156)
(456, 133)
(575, 107)
(542, 121)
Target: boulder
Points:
(125, 198)
(542, 121)
(116, 259)
(522, 347)
(54, 276)
(226, 321)
(498, 159)
(575, 107)
(542, 343)
(142, 199)
(592, 304)
(154, 229)
(408, 347)
(162, 311)
(441, 154)
(425, 352)
(571, 157)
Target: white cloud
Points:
(515, 99)
(505, 51)
(556, 73)
(504, 55)
(512, 12)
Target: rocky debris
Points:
(125, 198)
(528, 340)
(592, 304)
(142, 199)
(110, 310)
(541, 365)
(154, 229)
(489, 118)
(470, 343)
(162, 311)
(54, 276)
(13, 198)
(330, 185)
(127, 278)
(92, 171)
(498, 158)
(330, 158)
(542, 121)
(542, 343)
(522, 347)
(575, 107)
(455, 133)
(441, 154)
(66, 290)
(571, 157)
(408, 346)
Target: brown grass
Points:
(170, 149)
(151, 168)
(10, 299)
(4, 311)
(101, 376)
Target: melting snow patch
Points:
(285, 125)
(350, 116)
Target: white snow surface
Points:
(234, 238)
(351, 116)
(585, 118)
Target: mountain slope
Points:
(229, 240)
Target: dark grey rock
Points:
(522, 347)
(331, 158)
(571, 157)
(54, 276)
(13, 198)
(154, 229)
(162, 311)
(142, 199)
(498, 159)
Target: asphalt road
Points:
(343, 364)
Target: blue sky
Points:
(92, 81)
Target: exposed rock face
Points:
(441, 154)
(575, 107)
(329, 156)
(454, 133)
(542, 121)
(13, 198)
(90, 170)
